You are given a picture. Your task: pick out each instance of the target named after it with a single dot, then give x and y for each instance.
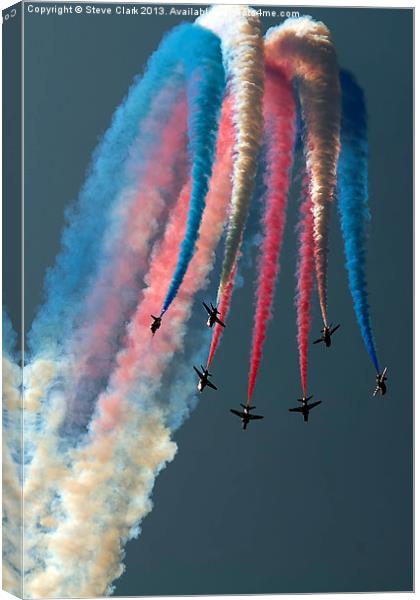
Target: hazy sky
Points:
(287, 506)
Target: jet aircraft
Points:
(305, 408)
(327, 332)
(157, 322)
(246, 415)
(380, 383)
(213, 318)
(204, 379)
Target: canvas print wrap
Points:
(208, 250)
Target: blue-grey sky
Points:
(287, 506)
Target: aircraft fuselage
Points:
(202, 384)
(211, 321)
(382, 388)
(155, 325)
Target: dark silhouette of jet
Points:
(327, 332)
(213, 318)
(157, 322)
(305, 408)
(246, 415)
(204, 379)
(380, 383)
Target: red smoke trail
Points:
(127, 442)
(142, 354)
(279, 116)
(141, 351)
(224, 309)
(223, 169)
(305, 49)
(304, 286)
(128, 251)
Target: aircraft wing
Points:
(384, 373)
(210, 384)
(319, 340)
(376, 390)
(220, 322)
(314, 404)
(334, 329)
(254, 417)
(236, 412)
(297, 409)
(198, 372)
(207, 308)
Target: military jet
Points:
(157, 322)
(305, 408)
(213, 318)
(327, 332)
(246, 415)
(380, 383)
(204, 379)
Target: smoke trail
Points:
(105, 310)
(49, 501)
(9, 336)
(11, 474)
(242, 47)
(353, 201)
(12, 444)
(279, 118)
(205, 94)
(82, 240)
(89, 481)
(111, 476)
(305, 49)
(305, 272)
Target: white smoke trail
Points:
(243, 53)
(108, 479)
(11, 476)
(305, 50)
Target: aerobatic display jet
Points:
(204, 379)
(246, 415)
(305, 408)
(213, 318)
(157, 322)
(380, 383)
(327, 332)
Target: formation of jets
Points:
(245, 414)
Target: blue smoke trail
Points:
(9, 336)
(353, 201)
(205, 94)
(180, 52)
